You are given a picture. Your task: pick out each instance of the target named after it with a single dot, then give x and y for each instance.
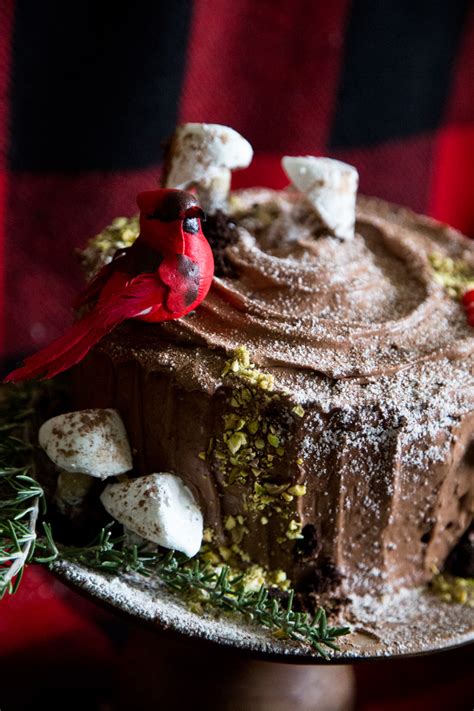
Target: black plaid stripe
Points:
(397, 69)
(95, 84)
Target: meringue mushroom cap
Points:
(159, 508)
(199, 151)
(308, 173)
(331, 188)
(92, 442)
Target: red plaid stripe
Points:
(271, 69)
(452, 196)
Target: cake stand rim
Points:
(79, 578)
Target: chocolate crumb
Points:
(308, 546)
(221, 232)
(460, 561)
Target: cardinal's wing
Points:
(139, 295)
(97, 283)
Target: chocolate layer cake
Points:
(319, 403)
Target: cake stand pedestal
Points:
(162, 672)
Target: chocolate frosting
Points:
(362, 336)
(358, 308)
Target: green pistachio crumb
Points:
(273, 440)
(225, 552)
(230, 523)
(236, 441)
(253, 427)
(297, 490)
(208, 535)
(294, 530)
(298, 411)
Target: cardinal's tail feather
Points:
(139, 296)
(65, 351)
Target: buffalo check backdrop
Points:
(88, 91)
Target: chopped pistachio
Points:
(275, 489)
(455, 275)
(240, 519)
(202, 455)
(294, 530)
(230, 523)
(252, 427)
(298, 411)
(280, 576)
(208, 535)
(288, 497)
(243, 556)
(299, 461)
(238, 534)
(263, 520)
(454, 589)
(236, 441)
(210, 557)
(225, 552)
(297, 489)
(233, 422)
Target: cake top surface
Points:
(355, 308)
(304, 300)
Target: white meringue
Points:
(159, 508)
(203, 155)
(330, 186)
(92, 442)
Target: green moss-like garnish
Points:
(121, 233)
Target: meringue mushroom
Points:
(159, 508)
(202, 155)
(331, 188)
(92, 442)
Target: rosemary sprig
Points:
(218, 587)
(20, 494)
(221, 587)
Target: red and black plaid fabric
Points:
(88, 91)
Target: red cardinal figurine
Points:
(164, 275)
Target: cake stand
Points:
(225, 657)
